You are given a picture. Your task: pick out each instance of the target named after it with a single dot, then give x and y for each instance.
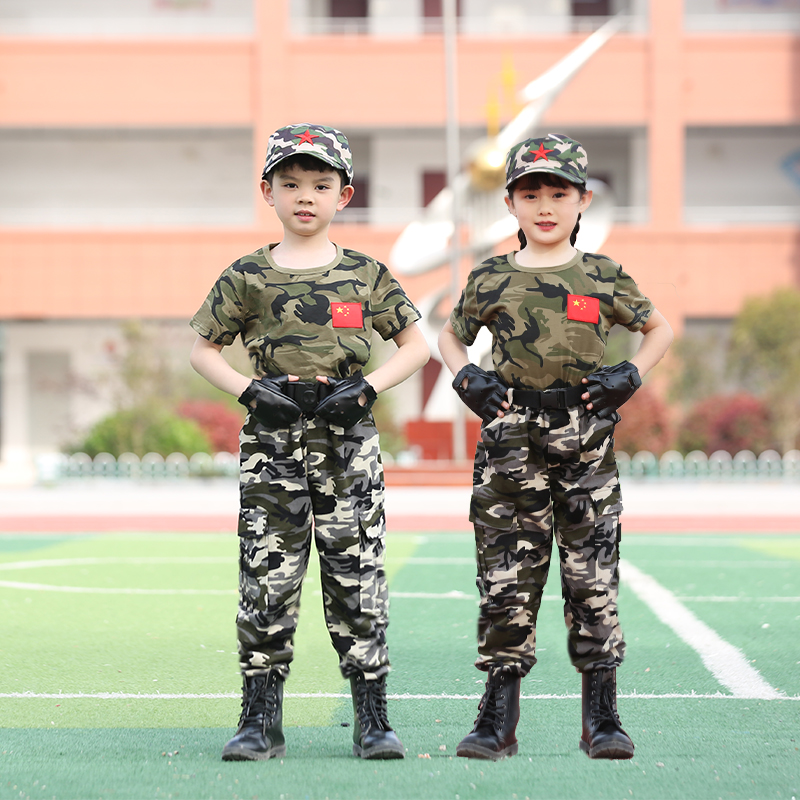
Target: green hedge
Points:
(144, 430)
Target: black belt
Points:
(549, 398)
(307, 394)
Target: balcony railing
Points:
(498, 25)
(756, 22)
(127, 28)
(400, 217)
(108, 218)
(742, 215)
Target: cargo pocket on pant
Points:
(270, 577)
(607, 505)
(498, 566)
(253, 558)
(373, 591)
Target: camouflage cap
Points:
(326, 144)
(555, 153)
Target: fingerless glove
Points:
(341, 406)
(610, 387)
(484, 394)
(273, 409)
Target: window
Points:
(433, 8)
(433, 181)
(348, 8)
(591, 8)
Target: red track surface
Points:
(227, 524)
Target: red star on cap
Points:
(540, 153)
(307, 137)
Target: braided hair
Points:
(534, 181)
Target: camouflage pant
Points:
(538, 473)
(312, 478)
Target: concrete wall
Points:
(125, 178)
(743, 174)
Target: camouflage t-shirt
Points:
(305, 322)
(549, 325)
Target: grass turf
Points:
(147, 643)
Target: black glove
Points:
(273, 408)
(610, 387)
(341, 406)
(484, 394)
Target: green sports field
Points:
(119, 679)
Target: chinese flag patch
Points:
(583, 309)
(347, 315)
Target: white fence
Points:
(56, 466)
(744, 465)
(721, 465)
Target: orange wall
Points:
(702, 273)
(211, 83)
(749, 80)
(108, 84)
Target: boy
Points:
(310, 458)
(545, 464)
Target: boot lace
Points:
(492, 706)
(259, 700)
(372, 706)
(603, 710)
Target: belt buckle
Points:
(305, 395)
(308, 396)
(554, 398)
(307, 399)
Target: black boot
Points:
(372, 735)
(260, 735)
(493, 736)
(603, 736)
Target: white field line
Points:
(435, 562)
(725, 662)
(343, 696)
(46, 587)
(93, 562)
(454, 594)
(742, 564)
(733, 599)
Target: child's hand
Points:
(266, 401)
(586, 396)
(349, 401)
(610, 387)
(482, 392)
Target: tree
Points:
(645, 424)
(727, 422)
(217, 420)
(147, 387)
(765, 354)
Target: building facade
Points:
(132, 136)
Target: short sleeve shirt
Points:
(549, 325)
(306, 322)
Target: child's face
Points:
(547, 215)
(306, 201)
